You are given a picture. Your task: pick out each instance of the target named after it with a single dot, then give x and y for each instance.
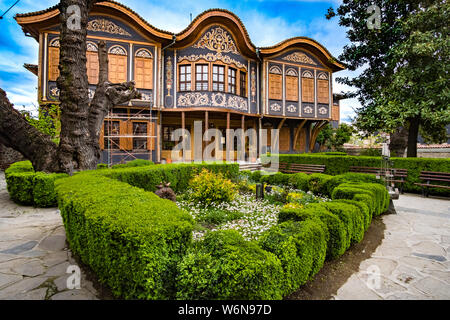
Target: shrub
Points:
(208, 188)
(337, 232)
(130, 238)
(317, 183)
(350, 177)
(133, 163)
(351, 216)
(27, 187)
(363, 208)
(299, 181)
(336, 165)
(225, 266)
(301, 248)
(102, 166)
(278, 179)
(179, 175)
(256, 176)
(44, 194)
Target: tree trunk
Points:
(81, 120)
(17, 133)
(412, 137)
(398, 142)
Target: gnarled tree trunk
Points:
(81, 120)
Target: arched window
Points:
(117, 56)
(307, 86)
(291, 85)
(143, 69)
(53, 60)
(92, 65)
(323, 88)
(275, 83)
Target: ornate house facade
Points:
(209, 72)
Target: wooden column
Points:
(227, 138)
(158, 136)
(183, 126)
(243, 135)
(206, 128)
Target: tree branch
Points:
(17, 133)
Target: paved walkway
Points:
(34, 257)
(413, 261)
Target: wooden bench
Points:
(398, 175)
(430, 179)
(285, 167)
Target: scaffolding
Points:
(140, 147)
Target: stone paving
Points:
(413, 261)
(33, 254)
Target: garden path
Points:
(413, 260)
(33, 254)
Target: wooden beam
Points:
(243, 135)
(315, 132)
(183, 126)
(297, 131)
(277, 135)
(227, 137)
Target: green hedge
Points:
(336, 229)
(179, 175)
(225, 266)
(130, 238)
(337, 164)
(27, 187)
(301, 248)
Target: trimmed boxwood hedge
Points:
(337, 164)
(27, 187)
(225, 266)
(141, 246)
(130, 238)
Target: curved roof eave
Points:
(302, 41)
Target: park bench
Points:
(398, 175)
(431, 179)
(285, 167)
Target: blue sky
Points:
(267, 21)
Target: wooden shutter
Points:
(322, 91)
(102, 136)
(143, 71)
(285, 139)
(335, 113)
(308, 90)
(117, 68)
(53, 62)
(126, 128)
(92, 67)
(275, 85)
(291, 88)
(150, 132)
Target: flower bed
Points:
(141, 246)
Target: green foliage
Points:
(335, 138)
(407, 74)
(337, 165)
(179, 175)
(47, 122)
(317, 183)
(225, 266)
(301, 248)
(134, 249)
(133, 163)
(208, 188)
(351, 215)
(299, 181)
(377, 197)
(102, 166)
(30, 188)
(371, 152)
(278, 179)
(336, 230)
